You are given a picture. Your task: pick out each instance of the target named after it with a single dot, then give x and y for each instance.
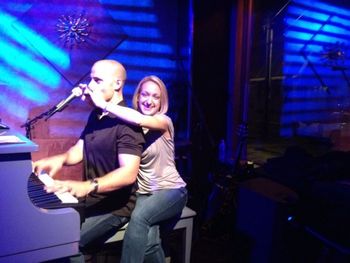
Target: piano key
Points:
(41, 198)
(37, 193)
(64, 197)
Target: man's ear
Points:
(117, 85)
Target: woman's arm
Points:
(155, 122)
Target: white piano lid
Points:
(21, 145)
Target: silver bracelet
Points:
(94, 184)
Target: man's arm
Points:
(123, 176)
(53, 164)
(75, 154)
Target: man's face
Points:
(102, 79)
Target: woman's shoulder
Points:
(169, 123)
(165, 118)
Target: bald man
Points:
(110, 150)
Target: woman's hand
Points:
(97, 97)
(79, 91)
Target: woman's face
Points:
(149, 98)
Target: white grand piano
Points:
(29, 233)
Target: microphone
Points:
(76, 92)
(64, 103)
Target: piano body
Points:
(29, 233)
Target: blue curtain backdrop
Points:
(47, 47)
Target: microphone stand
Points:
(268, 27)
(29, 124)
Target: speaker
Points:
(263, 209)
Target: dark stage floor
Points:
(218, 240)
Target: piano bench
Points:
(185, 223)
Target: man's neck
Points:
(116, 99)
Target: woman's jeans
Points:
(162, 209)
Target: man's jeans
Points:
(162, 209)
(95, 231)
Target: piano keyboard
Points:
(41, 198)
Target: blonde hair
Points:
(164, 100)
